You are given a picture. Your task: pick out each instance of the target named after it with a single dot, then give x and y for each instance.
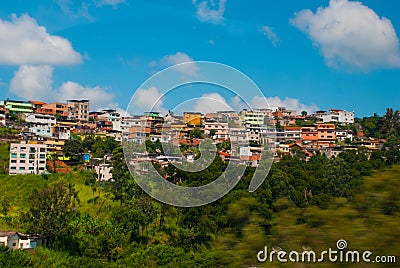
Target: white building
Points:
(2, 118)
(238, 135)
(104, 171)
(16, 240)
(341, 135)
(26, 158)
(114, 117)
(40, 119)
(336, 116)
(127, 123)
(42, 131)
(218, 129)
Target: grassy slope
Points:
(17, 190)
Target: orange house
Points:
(326, 132)
(309, 133)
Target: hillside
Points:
(16, 191)
(370, 220)
(4, 157)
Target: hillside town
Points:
(44, 128)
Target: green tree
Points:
(212, 132)
(88, 142)
(51, 211)
(122, 186)
(73, 149)
(196, 133)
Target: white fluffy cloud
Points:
(209, 11)
(272, 36)
(36, 83)
(289, 103)
(190, 69)
(351, 34)
(33, 82)
(23, 41)
(211, 102)
(146, 100)
(99, 97)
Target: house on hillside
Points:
(27, 158)
(17, 240)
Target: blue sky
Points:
(305, 55)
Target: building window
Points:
(13, 155)
(22, 155)
(13, 161)
(13, 168)
(22, 161)
(21, 168)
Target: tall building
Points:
(78, 110)
(27, 158)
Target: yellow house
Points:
(192, 118)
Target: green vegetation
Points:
(6, 132)
(4, 157)
(300, 205)
(311, 204)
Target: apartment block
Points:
(78, 110)
(326, 134)
(27, 158)
(309, 133)
(252, 117)
(218, 130)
